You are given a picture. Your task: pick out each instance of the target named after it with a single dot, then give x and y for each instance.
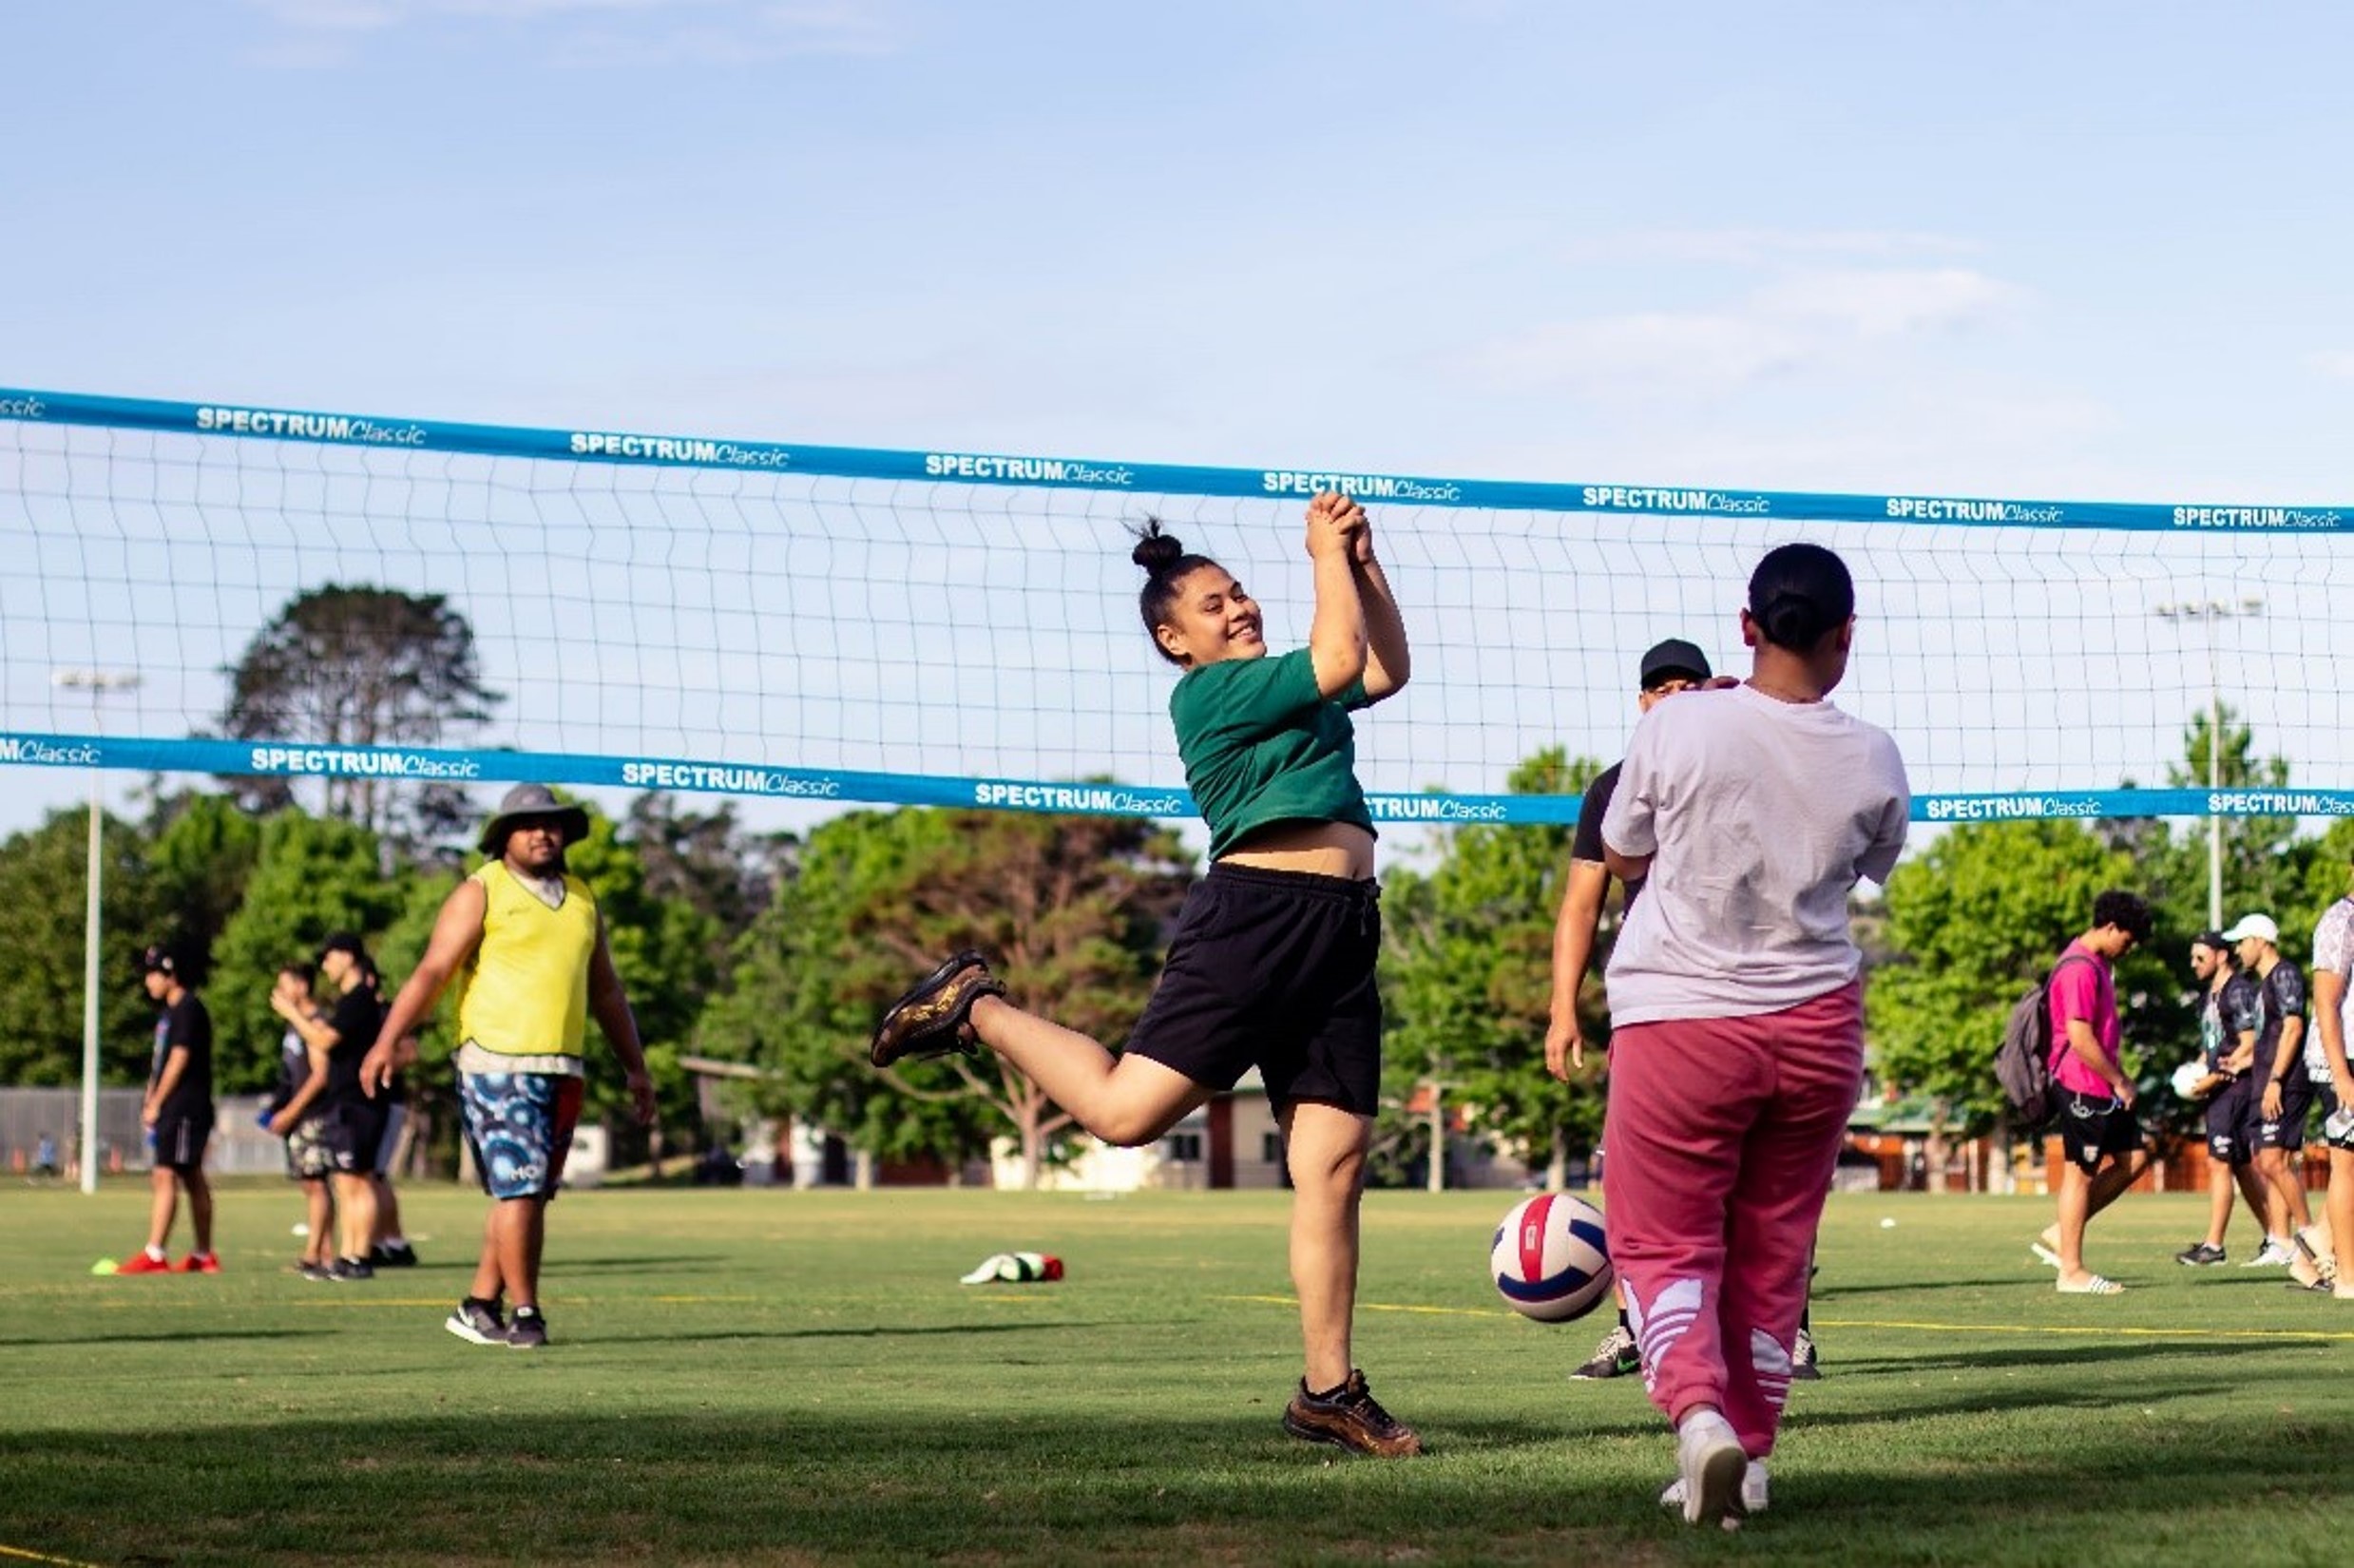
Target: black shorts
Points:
(2326, 1096)
(1272, 969)
(181, 1136)
(2287, 1131)
(2093, 1127)
(350, 1134)
(2228, 1129)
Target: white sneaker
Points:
(1754, 1490)
(1710, 1464)
(2273, 1254)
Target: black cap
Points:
(159, 959)
(2213, 941)
(1675, 657)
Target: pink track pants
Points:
(1718, 1149)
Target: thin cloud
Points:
(594, 32)
(1764, 247)
(1799, 322)
(2337, 364)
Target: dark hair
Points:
(2127, 911)
(1799, 592)
(299, 970)
(1166, 564)
(344, 941)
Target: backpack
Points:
(2023, 1061)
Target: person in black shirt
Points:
(2228, 1011)
(2281, 1099)
(295, 1113)
(178, 1113)
(352, 1124)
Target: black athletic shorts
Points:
(2092, 1127)
(351, 1132)
(181, 1136)
(2287, 1131)
(1272, 969)
(2228, 1129)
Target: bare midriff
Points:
(1319, 849)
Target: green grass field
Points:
(794, 1378)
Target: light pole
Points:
(98, 683)
(2207, 612)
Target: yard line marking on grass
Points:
(377, 1301)
(1380, 1306)
(23, 1556)
(2085, 1329)
(2045, 1329)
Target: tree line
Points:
(776, 952)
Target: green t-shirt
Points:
(1261, 744)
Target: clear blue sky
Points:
(2085, 250)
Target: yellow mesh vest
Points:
(526, 989)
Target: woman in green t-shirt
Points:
(1272, 963)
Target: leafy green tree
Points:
(1468, 975)
(356, 665)
(45, 889)
(1071, 909)
(202, 849)
(667, 951)
(2263, 859)
(784, 1010)
(312, 876)
(1971, 923)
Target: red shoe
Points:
(140, 1263)
(194, 1262)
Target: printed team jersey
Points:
(2283, 996)
(2227, 1015)
(2333, 951)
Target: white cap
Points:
(2254, 926)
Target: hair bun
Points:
(1156, 551)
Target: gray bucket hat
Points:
(529, 802)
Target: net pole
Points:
(98, 683)
(90, 999)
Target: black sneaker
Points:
(2200, 1256)
(929, 1019)
(398, 1256)
(345, 1269)
(1617, 1356)
(477, 1322)
(1806, 1362)
(528, 1332)
(1351, 1418)
(314, 1270)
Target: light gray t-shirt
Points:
(1760, 816)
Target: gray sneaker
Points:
(528, 1332)
(1617, 1356)
(477, 1323)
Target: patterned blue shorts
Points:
(520, 1125)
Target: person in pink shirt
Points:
(2103, 1144)
(1738, 1021)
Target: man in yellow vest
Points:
(523, 939)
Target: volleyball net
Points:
(844, 624)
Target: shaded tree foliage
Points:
(1466, 984)
(362, 666)
(45, 891)
(1072, 909)
(313, 876)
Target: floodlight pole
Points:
(97, 682)
(2208, 612)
